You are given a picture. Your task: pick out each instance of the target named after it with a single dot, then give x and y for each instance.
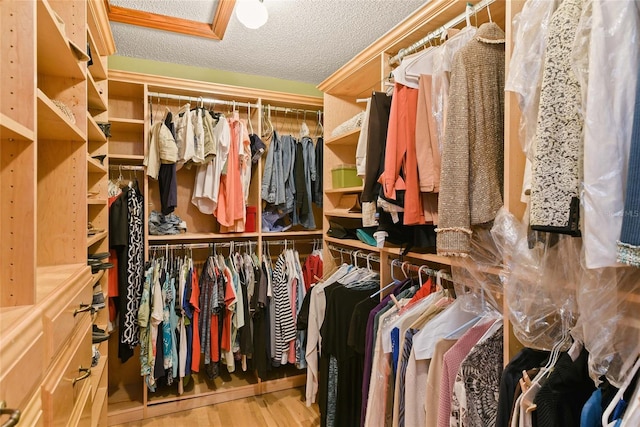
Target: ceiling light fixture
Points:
(252, 13)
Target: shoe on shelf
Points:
(95, 355)
(97, 265)
(98, 335)
(91, 230)
(100, 158)
(98, 300)
(99, 255)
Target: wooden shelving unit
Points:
(345, 190)
(10, 129)
(366, 73)
(53, 124)
(342, 213)
(128, 114)
(349, 138)
(55, 57)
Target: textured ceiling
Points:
(303, 40)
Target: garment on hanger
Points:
(559, 148)
(609, 105)
(206, 188)
(525, 74)
(126, 228)
(471, 181)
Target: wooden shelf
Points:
(54, 125)
(97, 201)
(186, 237)
(92, 240)
(95, 166)
(127, 158)
(96, 277)
(126, 125)
(94, 132)
(284, 234)
(55, 57)
(97, 69)
(10, 129)
(343, 213)
(349, 138)
(95, 100)
(97, 372)
(424, 257)
(51, 277)
(345, 190)
(351, 243)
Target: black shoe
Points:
(99, 255)
(100, 266)
(106, 128)
(98, 300)
(100, 158)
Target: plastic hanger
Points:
(319, 128)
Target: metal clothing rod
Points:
(203, 245)
(358, 253)
(126, 168)
(290, 110)
(202, 99)
(438, 32)
(206, 100)
(288, 241)
(420, 268)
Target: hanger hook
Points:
(404, 264)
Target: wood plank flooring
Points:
(279, 409)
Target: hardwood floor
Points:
(279, 409)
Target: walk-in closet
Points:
(337, 214)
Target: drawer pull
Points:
(86, 374)
(82, 309)
(14, 415)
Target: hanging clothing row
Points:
(126, 245)
(292, 179)
(418, 148)
(224, 149)
(234, 312)
(580, 178)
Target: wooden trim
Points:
(184, 85)
(98, 9)
(222, 17)
(214, 31)
(427, 18)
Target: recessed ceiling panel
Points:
(194, 10)
(303, 40)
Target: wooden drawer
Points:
(81, 414)
(32, 415)
(63, 388)
(21, 355)
(61, 311)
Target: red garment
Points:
(400, 162)
(312, 268)
(229, 301)
(215, 344)
(194, 301)
(230, 212)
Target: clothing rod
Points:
(206, 100)
(200, 99)
(203, 245)
(357, 253)
(438, 32)
(287, 241)
(420, 268)
(126, 167)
